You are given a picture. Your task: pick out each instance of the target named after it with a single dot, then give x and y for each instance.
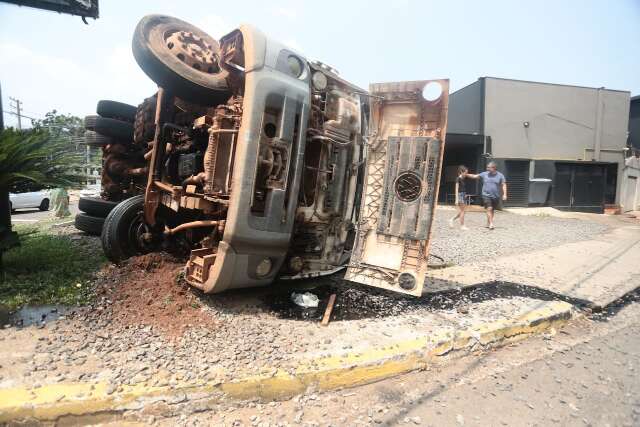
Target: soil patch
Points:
(149, 290)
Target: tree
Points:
(58, 125)
(31, 156)
(71, 129)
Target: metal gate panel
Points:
(517, 172)
(579, 187)
(409, 173)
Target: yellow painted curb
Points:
(50, 402)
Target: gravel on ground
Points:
(513, 234)
(147, 326)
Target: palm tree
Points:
(31, 157)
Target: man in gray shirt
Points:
(494, 188)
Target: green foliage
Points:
(46, 269)
(71, 129)
(34, 157)
(60, 125)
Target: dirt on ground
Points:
(149, 290)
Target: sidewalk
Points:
(360, 352)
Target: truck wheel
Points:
(44, 205)
(96, 140)
(181, 58)
(90, 122)
(96, 206)
(114, 128)
(123, 230)
(89, 224)
(116, 110)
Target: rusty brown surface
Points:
(196, 150)
(193, 224)
(164, 110)
(398, 109)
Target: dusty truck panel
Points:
(404, 158)
(267, 167)
(260, 165)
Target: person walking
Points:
(461, 193)
(494, 188)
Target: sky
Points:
(53, 61)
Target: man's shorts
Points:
(490, 202)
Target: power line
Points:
(21, 115)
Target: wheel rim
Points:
(193, 51)
(197, 75)
(135, 234)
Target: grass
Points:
(47, 269)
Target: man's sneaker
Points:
(464, 228)
(491, 227)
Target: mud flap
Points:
(404, 159)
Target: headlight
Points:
(296, 67)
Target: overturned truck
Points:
(262, 164)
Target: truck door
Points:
(404, 156)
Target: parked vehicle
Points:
(263, 164)
(30, 200)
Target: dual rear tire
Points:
(89, 224)
(120, 225)
(93, 212)
(112, 125)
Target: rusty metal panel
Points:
(411, 168)
(404, 158)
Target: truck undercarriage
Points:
(262, 164)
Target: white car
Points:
(33, 199)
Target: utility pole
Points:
(17, 105)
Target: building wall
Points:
(563, 122)
(465, 110)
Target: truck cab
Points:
(264, 164)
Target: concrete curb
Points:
(53, 401)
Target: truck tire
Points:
(90, 122)
(116, 110)
(89, 224)
(173, 64)
(94, 139)
(114, 128)
(96, 206)
(122, 230)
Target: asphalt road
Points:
(33, 216)
(594, 382)
(584, 375)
